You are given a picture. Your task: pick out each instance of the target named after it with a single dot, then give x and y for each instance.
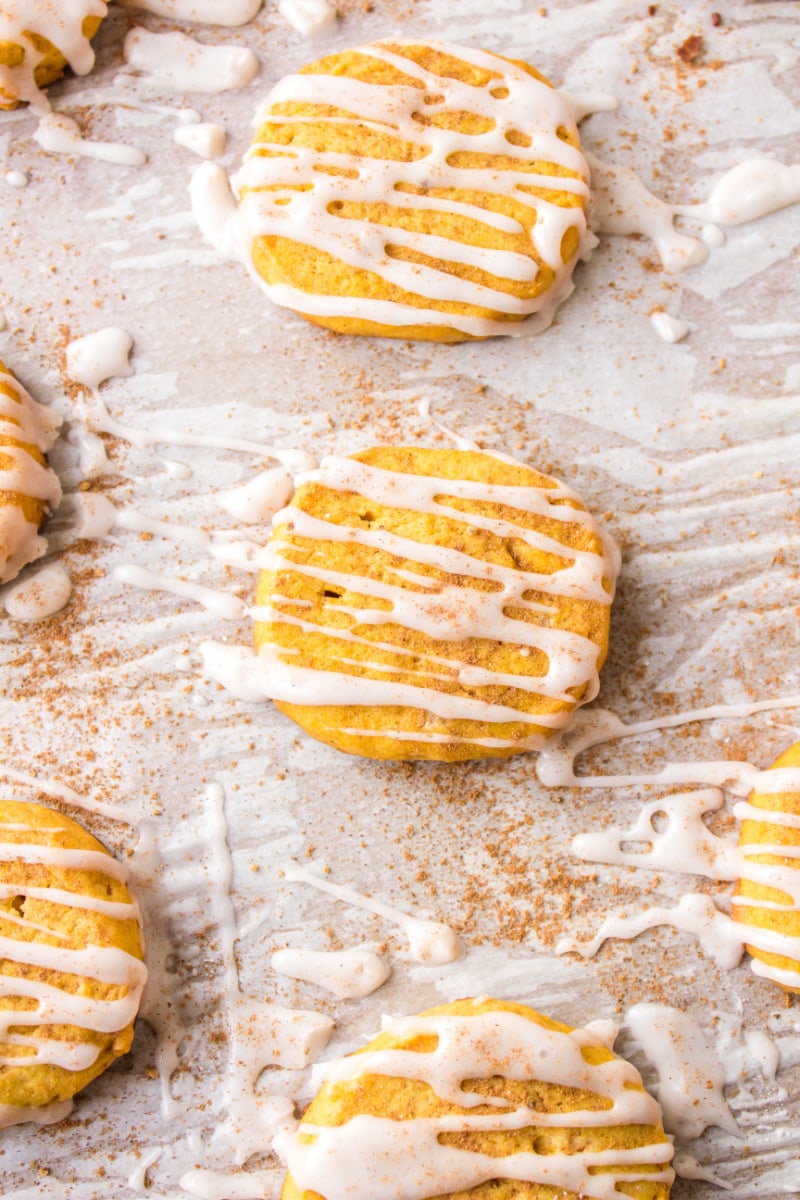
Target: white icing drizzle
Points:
(220, 604)
(405, 1160)
(555, 765)
(40, 595)
(686, 1166)
(350, 974)
(259, 498)
(429, 942)
(177, 61)
(293, 460)
(307, 217)
(308, 17)
(750, 190)
(720, 937)
(99, 356)
(261, 1034)
(62, 28)
(691, 1075)
(23, 420)
(159, 1004)
(571, 658)
(204, 139)
(105, 964)
(206, 12)
(137, 1180)
(424, 410)
(685, 843)
(59, 134)
(623, 205)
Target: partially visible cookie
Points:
(416, 190)
(39, 39)
(480, 1098)
(71, 961)
(767, 897)
(29, 489)
(441, 604)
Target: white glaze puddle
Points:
(429, 942)
(40, 595)
(690, 1074)
(260, 1034)
(177, 61)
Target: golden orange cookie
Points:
(71, 961)
(480, 1098)
(416, 190)
(442, 604)
(767, 898)
(39, 39)
(28, 488)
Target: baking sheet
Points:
(690, 451)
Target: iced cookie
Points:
(71, 969)
(28, 488)
(484, 1098)
(414, 190)
(39, 39)
(767, 898)
(443, 604)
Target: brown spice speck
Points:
(691, 49)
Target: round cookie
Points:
(415, 190)
(39, 39)
(767, 898)
(480, 1098)
(433, 604)
(71, 961)
(28, 488)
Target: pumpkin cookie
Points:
(28, 488)
(443, 604)
(39, 39)
(767, 898)
(480, 1098)
(71, 969)
(415, 190)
